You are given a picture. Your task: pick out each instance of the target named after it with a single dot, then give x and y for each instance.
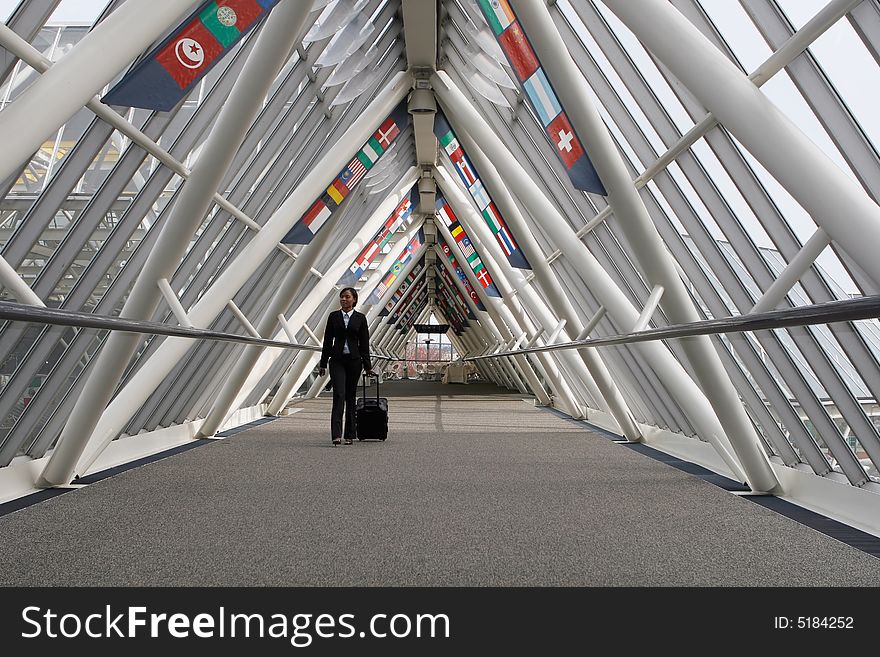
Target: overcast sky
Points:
(68, 10)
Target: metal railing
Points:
(822, 313)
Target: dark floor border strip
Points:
(844, 533)
(48, 493)
(131, 465)
(721, 481)
(839, 531)
(28, 500)
(244, 427)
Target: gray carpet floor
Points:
(468, 490)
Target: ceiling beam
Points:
(420, 27)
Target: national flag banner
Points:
(345, 181)
(459, 302)
(506, 241)
(483, 278)
(481, 196)
(514, 42)
(394, 299)
(445, 213)
(453, 319)
(467, 248)
(442, 305)
(519, 52)
(464, 168)
(315, 217)
(451, 312)
(449, 143)
(406, 300)
(338, 191)
(460, 273)
(498, 14)
(370, 153)
(387, 133)
(540, 93)
(397, 266)
(401, 291)
(361, 264)
(353, 173)
(410, 317)
(448, 309)
(457, 231)
(493, 218)
(165, 75)
(478, 192)
(369, 253)
(562, 135)
(401, 214)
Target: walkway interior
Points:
(475, 486)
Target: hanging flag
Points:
(417, 292)
(460, 273)
(539, 91)
(410, 317)
(443, 305)
(397, 266)
(401, 214)
(467, 249)
(459, 302)
(304, 231)
(450, 144)
(170, 71)
(453, 296)
(448, 300)
(406, 285)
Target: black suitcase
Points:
(371, 415)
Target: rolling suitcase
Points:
(371, 415)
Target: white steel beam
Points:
(508, 277)
(294, 378)
(793, 272)
(27, 53)
(64, 89)
(837, 203)
(286, 293)
(689, 396)
(600, 381)
(645, 241)
(496, 324)
(22, 292)
(151, 374)
(236, 116)
(173, 302)
(243, 320)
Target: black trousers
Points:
(344, 375)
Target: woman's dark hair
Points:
(353, 293)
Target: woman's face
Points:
(346, 301)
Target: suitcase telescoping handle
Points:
(365, 386)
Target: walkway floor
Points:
(468, 490)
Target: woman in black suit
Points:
(347, 348)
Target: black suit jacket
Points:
(358, 334)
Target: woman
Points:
(347, 348)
